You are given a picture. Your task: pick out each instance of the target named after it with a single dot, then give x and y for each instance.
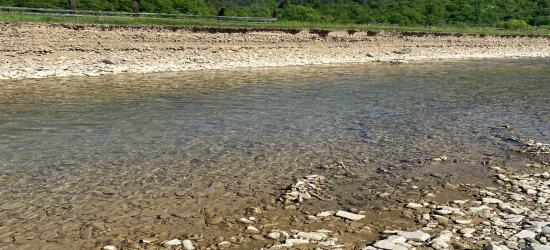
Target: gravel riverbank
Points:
(39, 50)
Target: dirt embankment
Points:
(38, 50)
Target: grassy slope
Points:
(8, 17)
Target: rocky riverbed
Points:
(39, 50)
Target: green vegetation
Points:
(508, 14)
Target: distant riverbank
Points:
(39, 50)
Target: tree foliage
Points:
(510, 14)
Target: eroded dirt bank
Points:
(37, 50)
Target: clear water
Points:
(74, 134)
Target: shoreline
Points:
(40, 50)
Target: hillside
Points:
(522, 14)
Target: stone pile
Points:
(304, 189)
(515, 216)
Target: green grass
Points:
(14, 17)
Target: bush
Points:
(515, 24)
(300, 13)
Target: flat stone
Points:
(312, 236)
(445, 210)
(109, 248)
(384, 244)
(478, 209)
(224, 244)
(415, 236)
(463, 221)
(525, 233)
(467, 230)
(349, 216)
(396, 239)
(414, 205)
(297, 241)
(325, 214)
(491, 201)
(513, 218)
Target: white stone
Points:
(531, 191)
(349, 216)
(478, 209)
(491, 201)
(224, 244)
(396, 239)
(439, 245)
(415, 236)
(174, 242)
(516, 196)
(441, 238)
(467, 230)
(274, 235)
(297, 241)
(109, 248)
(414, 205)
(327, 243)
(187, 245)
(312, 236)
(463, 221)
(384, 244)
(426, 216)
(525, 233)
(513, 218)
(245, 221)
(325, 214)
(545, 230)
(541, 247)
(251, 229)
(445, 210)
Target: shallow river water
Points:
(105, 140)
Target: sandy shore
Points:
(38, 50)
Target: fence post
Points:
(222, 11)
(136, 9)
(73, 6)
(275, 14)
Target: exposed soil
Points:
(37, 50)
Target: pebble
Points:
(174, 242)
(349, 216)
(188, 245)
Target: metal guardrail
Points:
(75, 13)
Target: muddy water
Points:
(131, 150)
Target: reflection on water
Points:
(58, 132)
